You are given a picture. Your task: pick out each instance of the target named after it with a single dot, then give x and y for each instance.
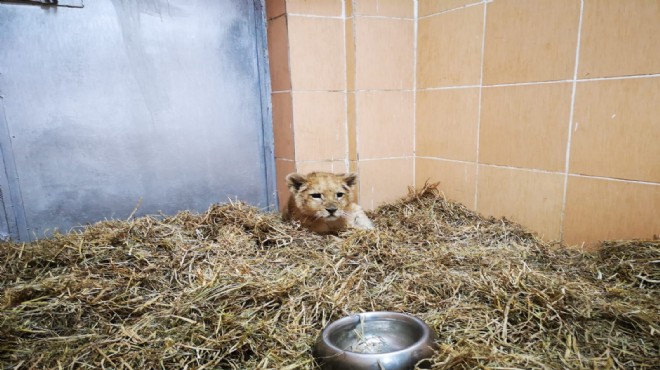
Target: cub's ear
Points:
(350, 179)
(295, 181)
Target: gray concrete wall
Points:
(129, 100)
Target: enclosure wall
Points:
(544, 111)
(343, 96)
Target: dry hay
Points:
(238, 288)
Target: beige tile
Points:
(350, 55)
(530, 40)
(278, 55)
(385, 124)
(525, 126)
(384, 52)
(283, 125)
(457, 179)
(616, 129)
(319, 121)
(315, 7)
(599, 209)
(386, 8)
(533, 199)
(427, 7)
(384, 180)
(449, 48)
(275, 8)
(317, 53)
(326, 166)
(352, 126)
(283, 168)
(620, 38)
(446, 123)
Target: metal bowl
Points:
(374, 341)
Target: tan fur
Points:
(325, 202)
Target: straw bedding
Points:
(236, 288)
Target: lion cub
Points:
(325, 202)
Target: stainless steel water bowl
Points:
(374, 341)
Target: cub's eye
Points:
(316, 195)
(339, 195)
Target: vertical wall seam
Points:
(347, 161)
(414, 92)
(21, 231)
(570, 124)
(288, 63)
(265, 88)
(355, 100)
(481, 87)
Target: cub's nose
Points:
(331, 210)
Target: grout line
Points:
(536, 170)
(362, 90)
(449, 87)
(302, 15)
(583, 80)
(650, 75)
(545, 82)
(385, 17)
(481, 84)
(455, 9)
(570, 124)
(414, 92)
(639, 182)
(347, 161)
(386, 158)
(341, 17)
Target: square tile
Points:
(616, 129)
(446, 123)
(384, 53)
(600, 209)
(283, 125)
(319, 121)
(384, 180)
(315, 7)
(457, 179)
(525, 126)
(385, 124)
(449, 48)
(278, 55)
(532, 199)
(620, 38)
(386, 8)
(427, 7)
(317, 54)
(283, 168)
(530, 40)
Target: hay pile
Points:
(236, 288)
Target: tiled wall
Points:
(343, 91)
(546, 112)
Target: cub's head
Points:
(322, 194)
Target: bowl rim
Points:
(426, 335)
